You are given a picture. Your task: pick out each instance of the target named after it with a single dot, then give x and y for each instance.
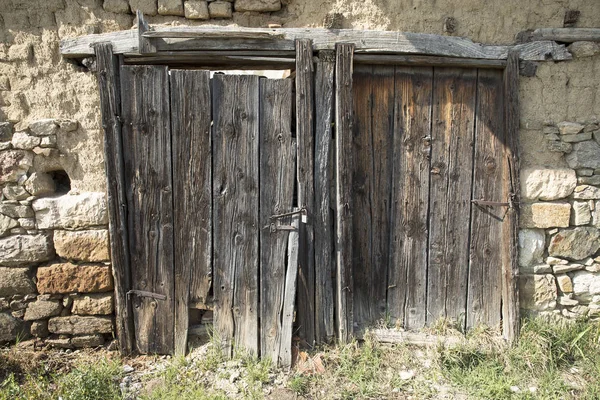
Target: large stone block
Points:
(547, 184)
(586, 285)
(576, 243)
(6, 224)
(586, 192)
(89, 245)
(19, 250)
(39, 184)
(170, 7)
(545, 215)
(220, 9)
(537, 292)
(196, 9)
(44, 127)
(78, 325)
(569, 128)
(42, 309)
(71, 278)
(584, 155)
(532, 243)
(16, 210)
(258, 5)
(93, 304)
(87, 341)
(10, 327)
(116, 6)
(6, 131)
(71, 211)
(15, 281)
(148, 7)
(14, 164)
(582, 214)
(24, 141)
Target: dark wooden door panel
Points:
(148, 179)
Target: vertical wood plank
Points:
(287, 317)
(235, 210)
(276, 197)
(510, 233)
(147, 138)
(324, 267)
(343, 171)
(306, 198)
(486, 252)
(450, 192)
(410, 196)
(110, 106)
(190, 127)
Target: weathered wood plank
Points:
(450, 192)
(567, 35)
(287, 317)
(410, 196)
(110, 107)
(207, 38)
(148, 179)
(214, 60)
(343, 173)
(426, 61)
(235, 210)
(190, 127)
(489, 183)
(323, 219)
(276, 197)
(510, 232)
(305, 316)
(144, 44)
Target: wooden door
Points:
(427, 142)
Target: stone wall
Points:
(55, 278)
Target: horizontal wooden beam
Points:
(427, 340)
(258, 39)
(213, 59)
(397, 59)
(567, 35)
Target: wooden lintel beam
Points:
(566, 35)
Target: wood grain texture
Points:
(489, 183)
(323, 218)
(190, 129)
(305, 307)
(110, 107)
(567, 35)
(235, 211)
(287, 317)
(344, 207)
(147, 138)
(510, 234)
(276, 197)
(407, 275)
(450, 192)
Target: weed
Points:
(299, 384)
(91, 382)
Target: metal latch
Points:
(143, 293)
(274, 227)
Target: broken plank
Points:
(287, 312)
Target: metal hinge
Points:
(143, 293)
(274, 227)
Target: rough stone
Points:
(22, 250)
(40, 329)
(39, 184)
(580, 137)
(585, 172)
(584, 49)
(71, 278)
(532, 243)
(14, 164)
(584, 155)
(547, 184)
(556, 261)
(71, 211)
(87, 341)
(537, 292)
(220, 9)
(10, 327)
(14, 192)
(42, 309)
(545, 215)
(60, 342)
(43, 127)
(575, 243)
(15, 281)
(6, 131)
(550, 130)
(89, 245)
(569, 128)
(591, 127)
(70, 125)
(581, 213)
(258, 5)
(593, 268)
(79, 325)
(16, 210)
(196, 9)
(564, 283)
(148, 7)
(562, 269)
(589, 180)
(585, 285)
(27, 223)
(586, 192)
(7, 224)
(17, 305)
(48, 141)
(557, 146)
(536, 269)
(116, 6)
(567, 301)
(24, 141)
(93, 304)
(170, 7)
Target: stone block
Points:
(116, 6)
(536, 269)
(24, 141)
(60, 342)
(93, 304)
(22, 250)
(16, 210)
(569, 128)
(15, 281)
(7, 224)
(564, 268)
(44, 127)
(70, 125)
(10, 327)
(89, 245)
(27, 223)
(71, 211)
(42, 309)
(537, 292)
(547, 184)
(580, 137)
(148, 7)
(589, 180)
(14, 164)
(258, 5)
(532, 243)
(170, 7)
(584, 155)
(586, 192)
(564, 283)
(87, 341)
(585, 172)
(39, 184)
(220, 9)
(48, 141)
(584, 49)
(582, 214)
(575, 243)
(14, 192)
(556, 261)
(40, 329)
(558, 146)
(196, 9)
(545, 215)
(71, 278)
(6, 131)
(78, 325)
(585, 285)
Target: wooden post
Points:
(343, 172)
(144, 44)
(110, 105)
(510, 273)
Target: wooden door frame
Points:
(137, 47)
